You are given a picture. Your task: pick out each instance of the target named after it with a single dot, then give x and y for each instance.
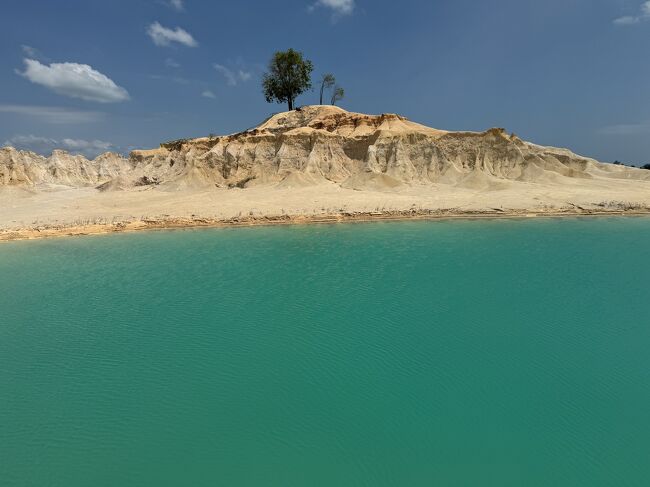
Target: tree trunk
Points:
(322, 87)
(290, 101)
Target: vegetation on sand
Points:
(289, 75)
(337, 95)
(327, 81)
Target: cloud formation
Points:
(233, 77)
(177, 5)
(53, 115)
(30, 51)
(627, 129)
(340, 7)
(208, 94)
(74, 80)
(163, 36)
(86, 146)
(45, 145)
(631, 20)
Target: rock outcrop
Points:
(317, 144)
(24, 168)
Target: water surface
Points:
(459, 353)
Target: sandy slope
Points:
(319, 162)
(78, 211)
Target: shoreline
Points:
(148, 224)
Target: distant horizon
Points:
(554, 74)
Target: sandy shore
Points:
(50, 212)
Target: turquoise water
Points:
(459, 353)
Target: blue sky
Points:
(90, 75)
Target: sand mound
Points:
(24, 168)
(371, 181)
(482, 181)
(315, 144)
(299, 180)
(119, 183)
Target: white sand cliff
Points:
(319, 163)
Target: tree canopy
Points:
(289, 75)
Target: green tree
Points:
(647, 166)
(288, 76)
(338, 94)
(327, 81)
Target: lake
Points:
(451, 353)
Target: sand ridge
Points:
(317, 162)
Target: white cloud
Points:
(162, 36)
(86, 145)
(53, 115)
(627, 20)
(45, 145)
(30, 51)
(627, 129)
(208, 94)
(631, 20)
(645, 8)
(31, 142)
(233, 77)
(171, 63)
(74, 80)
(340, 7)
(177, 5)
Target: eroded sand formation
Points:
(309, 161)
(314, 145)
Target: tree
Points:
(327, 81)
(338, 94)
(289, 75)
(647, 166)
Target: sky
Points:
(96, 75)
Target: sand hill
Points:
(317, 144)
(292, 161)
